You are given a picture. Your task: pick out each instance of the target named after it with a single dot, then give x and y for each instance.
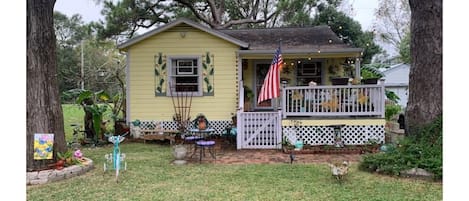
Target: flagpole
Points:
(277, 100)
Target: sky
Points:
(363, 10)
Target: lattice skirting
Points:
(218, 125)
(323, 135)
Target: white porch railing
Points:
(352, 100)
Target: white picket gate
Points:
(259, 130)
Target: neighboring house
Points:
(215, 66)
(397, 80)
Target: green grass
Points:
(151, 176)
(74, 114)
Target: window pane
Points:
(185, 80)
(184, 75)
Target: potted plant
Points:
(64, 159)
(248, 96)
(340, 80)
(200, 122)
(370, 74)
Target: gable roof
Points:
(396, 67)
(266, 40)
(176, 23)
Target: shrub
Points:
(391, 110)
(424, 150)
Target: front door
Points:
(261, 70)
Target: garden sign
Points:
(43, 146)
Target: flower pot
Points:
(60, 164)
(340, 80)
(179, 152)
(370, 81)
(202, 125)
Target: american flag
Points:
(271, 87)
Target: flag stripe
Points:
(271, 87)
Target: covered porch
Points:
(311, 114)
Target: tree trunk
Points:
(425, 78)
(43, 108)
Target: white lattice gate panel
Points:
(324, 135)
(259, 130)
(218, 125)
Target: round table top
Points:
(195, 130)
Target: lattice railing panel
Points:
(218, 125)
(324, 135)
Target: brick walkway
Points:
(268, 156)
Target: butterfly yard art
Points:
(43, 146)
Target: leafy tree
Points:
(404, 49)
(124, 18)
(69, 33)
(392, 26)
(296, 12)
(348, 30)
(101, 61)
(392, 21)
(43, 108)
(425, 77)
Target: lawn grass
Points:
(151, 176)
(74, 114)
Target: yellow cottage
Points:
(183, 69)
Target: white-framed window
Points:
(185, 75)
(308, 71)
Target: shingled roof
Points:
(299, 40)
(306, 38)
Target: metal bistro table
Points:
(202, 133)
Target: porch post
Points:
(357, 69)
(284, 102)
(239, 75)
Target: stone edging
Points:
(46, 176)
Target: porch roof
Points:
(300, 53)
(293, 40)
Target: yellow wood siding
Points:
(144, 105)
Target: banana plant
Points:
(96, 104)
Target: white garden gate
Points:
(259, 130)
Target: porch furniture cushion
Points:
(192, 138)
(202, 144)
(205, 143)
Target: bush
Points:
(424, 150)
(391, 110)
